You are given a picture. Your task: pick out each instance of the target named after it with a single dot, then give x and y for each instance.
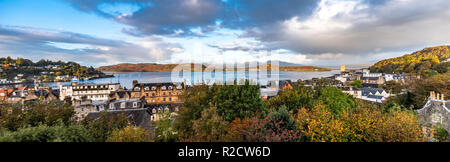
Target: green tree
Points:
(357, 83)
(237, 101)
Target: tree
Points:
(237, 101)
(102, 127)
(164, 130)
(357, 83)
(293, 99)
(209, 128)
(393, 87)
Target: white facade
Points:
(372, 74)
(94, 92)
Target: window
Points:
(170, 93)
(153, 88)
(146, 88)
(153, 94)
(122, 105)
(170, 99)
(137, 88)
(136, 95)
(135, 104)
(101, 108)
(164, 93)
(153, 100)
(170, 87)
(146, 94)
(111, 106)
(164, 99)
(163, 87)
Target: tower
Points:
(342, 68)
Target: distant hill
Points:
(426, 62)
(152, 67)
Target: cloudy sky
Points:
(308, 32)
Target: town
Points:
(144, 103)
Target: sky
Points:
(308, 32)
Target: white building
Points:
(372, 74)
(94, 92)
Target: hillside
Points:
(151, 67)
(44, 70)
(427, 62)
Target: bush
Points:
(130, 134)
(13, 116)
(44, 133)
(440, 133)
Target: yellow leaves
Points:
(361, 125)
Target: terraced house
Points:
(94, 92)
(158, 93)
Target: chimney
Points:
(437, 96)
(442, 97)
(135, 82)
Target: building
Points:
(156, 110)
(137, 117)
(85, 106)
(374, 94)
(372, 82)
(395, 77)
(95, 92)
(158, 93)
(351, 90)
(435, 113)
(342, 68)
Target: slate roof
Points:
(366, 91)
(139, 117)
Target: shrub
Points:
(44, 133)
(130, 134)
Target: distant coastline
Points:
(151, 67)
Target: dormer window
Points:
(146, 88)
(170, 87)
(179, 87)
(153, 88)
(163, 87)
(137, 89)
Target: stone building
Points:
(435, 112)
(158, 93)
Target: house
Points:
(158, 93)
(394, 77)
(4, 94)
(137, 117)
(267, 92)
(84, 106)
(435, 113)
(120, 95)
(351, 90)
(156, 110)
(95, 92)
(374, 94)
(372, 82)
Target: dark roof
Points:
(139, 117)
(365, 91)
(370, 78)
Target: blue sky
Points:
(309, 32)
